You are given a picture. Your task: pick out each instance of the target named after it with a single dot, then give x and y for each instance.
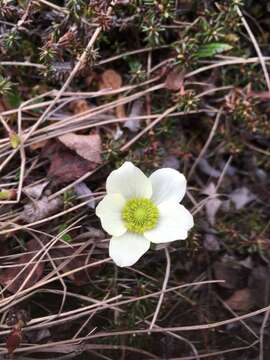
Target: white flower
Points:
(138, 210)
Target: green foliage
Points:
(14, 98)
(187, 101)
(92, 56)
(153, 31)
(137, 72)
(211, 30)
(68, 198)
(214, 32)
(5, 86)
(212, 49)
(239, 231)
(47, 53)
(15, 140)
(186, 51)
(11, 39)
(66, 237)
(163, 8)
(76, 7)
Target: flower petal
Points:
(168, 185)
(126, 250)
(129, 181)
(174, 222)
(109, 211)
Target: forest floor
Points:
(87, 85)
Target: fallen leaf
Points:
(13, 279)
(79, 106)
(90, 78)
(118, 132)
(230, 169)
(259, 285)
(83, 191)
(14, 339)
(261, 175)
(66, 40)
(208, 169)
(110, 79)
(120, 110)
(40, 335)
(174, 80)
(247, 263)
(132, 123)
(41, 209)
(241, 197)
(263, 95)
(18, 319)
(96, 233)
(211, 242)
(212, 207)
(35, 191)
(66, 165)
(210, 189)
(87, 146)
(230, 270)
(241, 300)
(38, 145)
(171, 162)
(78, 278)
(213, 204)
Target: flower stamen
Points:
(140, 215)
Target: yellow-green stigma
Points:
(140, 215)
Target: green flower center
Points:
(140, 215)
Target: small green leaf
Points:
(212, 49)
(14, 140)
(14, 99)
(66, 237)
(5, 85)
(7, 194)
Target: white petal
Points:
(125, 250)
(129, 181)
(168, 184)
(174, 222)
(109, 211)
